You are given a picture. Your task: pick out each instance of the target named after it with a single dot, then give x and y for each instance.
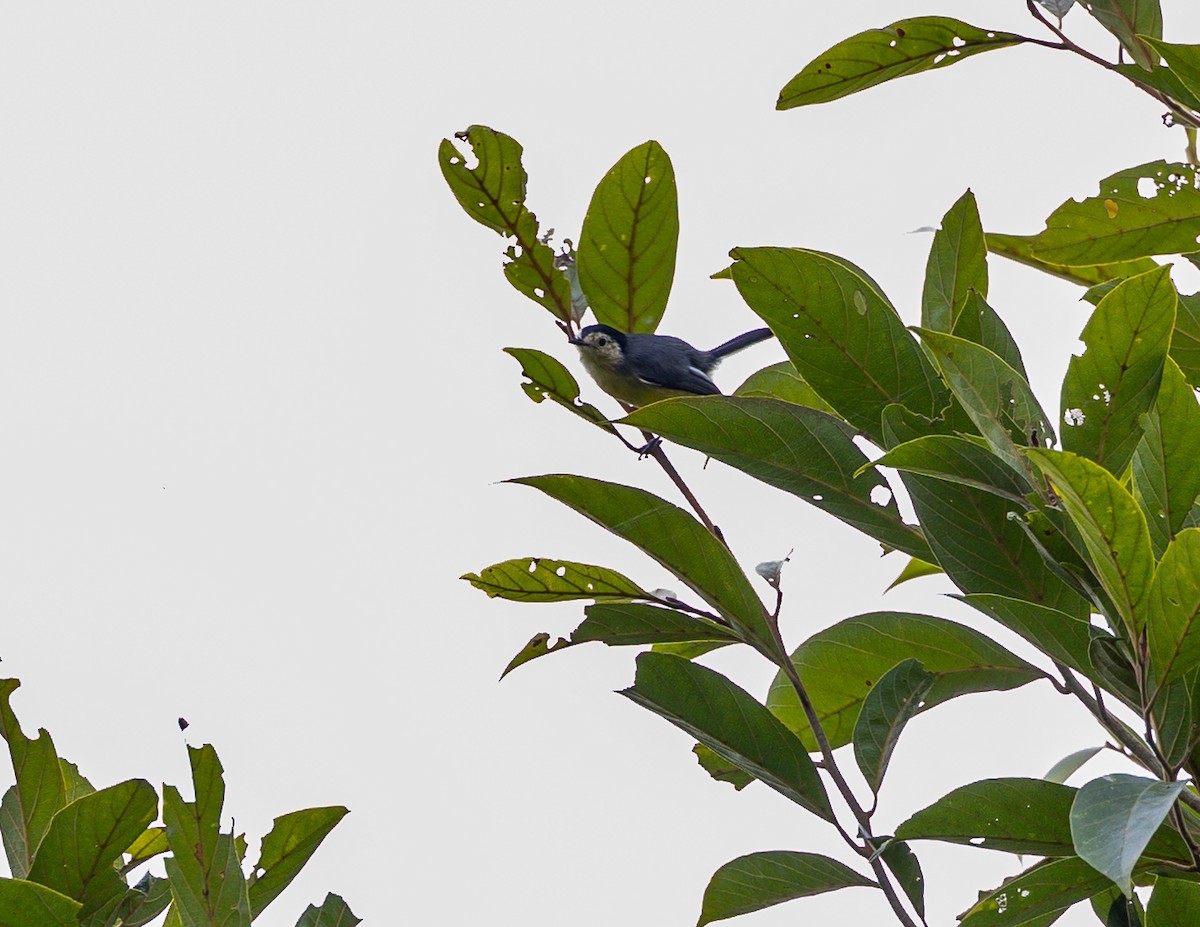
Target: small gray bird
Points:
(639, 369)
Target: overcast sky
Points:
(256, 415)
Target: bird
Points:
(637, 368)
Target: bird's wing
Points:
(690, 379)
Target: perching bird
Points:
(639, 369)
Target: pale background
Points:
(255, 411)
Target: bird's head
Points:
(602, 343)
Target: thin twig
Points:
(831, 767)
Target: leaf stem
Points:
(830, 764)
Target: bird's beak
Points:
(578, 342)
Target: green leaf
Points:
(978, 322)
(760, 880)
(1063, 638)
(140, 904)
(1166, 469)
(1130, 21)
(1115, 381)
(720, 768)
(1171, 715)
(538, 579)
(905, 866)
(1115, 910)
(1042, 889)
(957, 460)
(75, 782)
(1020, 248)
(148, 844)
(887, 708)
(840, 664)
(28, 904)
(727, 720)
(1173, 609)
(1120, 224)
(87, 837)
(627, 246)
(974, 540)
(334, 912)
(631, 623)
(914, 569)
(493, 194)
(674, 539)
(1027, 816)
(800, 450)
(1185, 344)
(781, 381)
(286, 849)
(207, 884)
(539, 645)
(549, 379)
(40, 790)
(996, 397)
(1012, 815)
(957, 266)
(1174, 903)
(840, 332)
(909, 46)
(1113, 819)
(1070, 764)
(1112, 526)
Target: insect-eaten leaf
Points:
(538, 579)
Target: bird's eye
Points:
(602, 340)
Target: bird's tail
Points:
(741, 341)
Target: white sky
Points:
(256, 408)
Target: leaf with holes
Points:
(888, 707)
(760, 880)
(674, 539)
(538, 579)
(840, 664)
(1112, 527)
(1115, 381)
(956, 268)
(627, 245)
(840, 332)
(1142, 211)
(909, 46)
(549, 379)
(1113, 819)
(286, 849)
(493, 194)
(1037, 896)
(1013, 815)
(727, 720)
(1020, 248)
(800, 450)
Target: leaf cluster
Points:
(1078, 532)
(74, 850)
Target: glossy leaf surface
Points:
(727, 720)
(841, 664)
(909, 46)
(626, 257)
(840, 332)
(760, 880)
(1115, 381)
(803, 451)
